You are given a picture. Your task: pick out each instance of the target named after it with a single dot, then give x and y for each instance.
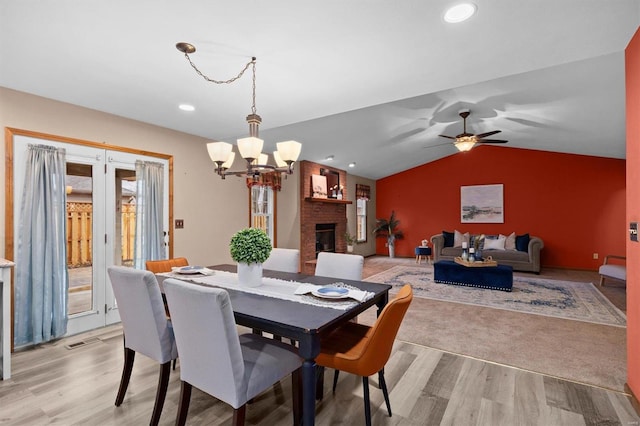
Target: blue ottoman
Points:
(492, 277)
(422, 251)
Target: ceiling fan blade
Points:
(492, 141)
(484, 135)
(448, 137)
(437, 145)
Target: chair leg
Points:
(319, 382)
(601, 280)
(129, 358)
(336, 373)
(367, 403)
(239, 415)
(383, 386)
(296, 396)
(183, 407)
(174, 363)
(161, 393)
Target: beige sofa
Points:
(528, 261)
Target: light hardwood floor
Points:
(55, 384)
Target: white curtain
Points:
(41, 276)
(150, 244)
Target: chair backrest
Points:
(339, 265)
(284, 260)
(165, 265)
(205, 328)
(146, 328)
(382, 334)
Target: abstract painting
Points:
(482, 204)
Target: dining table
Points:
(303, 323)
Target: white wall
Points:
(212, 209)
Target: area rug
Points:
(560, 299)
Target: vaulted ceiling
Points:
(368, 81)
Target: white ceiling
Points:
(369, 81)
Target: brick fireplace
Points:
(322, 212)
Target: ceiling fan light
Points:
(289, 150)
(465, 145)
(460, 12)
(250, 148)
(278, 159)
(219, 151)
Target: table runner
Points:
(271, 287)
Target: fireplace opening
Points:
(325, 237)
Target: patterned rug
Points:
(560, 299)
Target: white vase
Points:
(250, 274)
(349, 248)
(392, 251)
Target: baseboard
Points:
(634, 401)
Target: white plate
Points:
(190, 270)
(330, 292)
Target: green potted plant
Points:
(250, 247)
(350, 240)
(388, 228)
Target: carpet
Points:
(553, 298)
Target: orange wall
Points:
(632, 58)
(575, 203)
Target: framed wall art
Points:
(482, 204)
(318, 186)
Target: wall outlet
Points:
(386, 244)
(179, 223)
(595, 255)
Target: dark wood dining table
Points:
(303, 323)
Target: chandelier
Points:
(250, 148)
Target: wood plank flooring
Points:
(53, 384)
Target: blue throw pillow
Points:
(448, 238)
(522, 242)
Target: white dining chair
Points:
(339, 265)
(146, 328)
(214, 359)
(283, 260)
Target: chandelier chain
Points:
(251, 63)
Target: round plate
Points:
(329, 292)
(189, 270)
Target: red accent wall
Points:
(575, 203)
(632, 63)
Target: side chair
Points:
(213, 358)
(616, 269)
(283, 260)
(340, 265)
(146, 328)
(363, 350)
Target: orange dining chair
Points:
(165, 265)
(363, 350)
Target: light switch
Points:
(633, 231)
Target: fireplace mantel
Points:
(327, 200)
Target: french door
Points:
(101, 194)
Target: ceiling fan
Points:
(465, 141)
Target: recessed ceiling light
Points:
(352, 164)
(329, 158)
(460, 12)
(187, 107)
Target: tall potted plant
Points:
(250, 247)
(388, 228)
